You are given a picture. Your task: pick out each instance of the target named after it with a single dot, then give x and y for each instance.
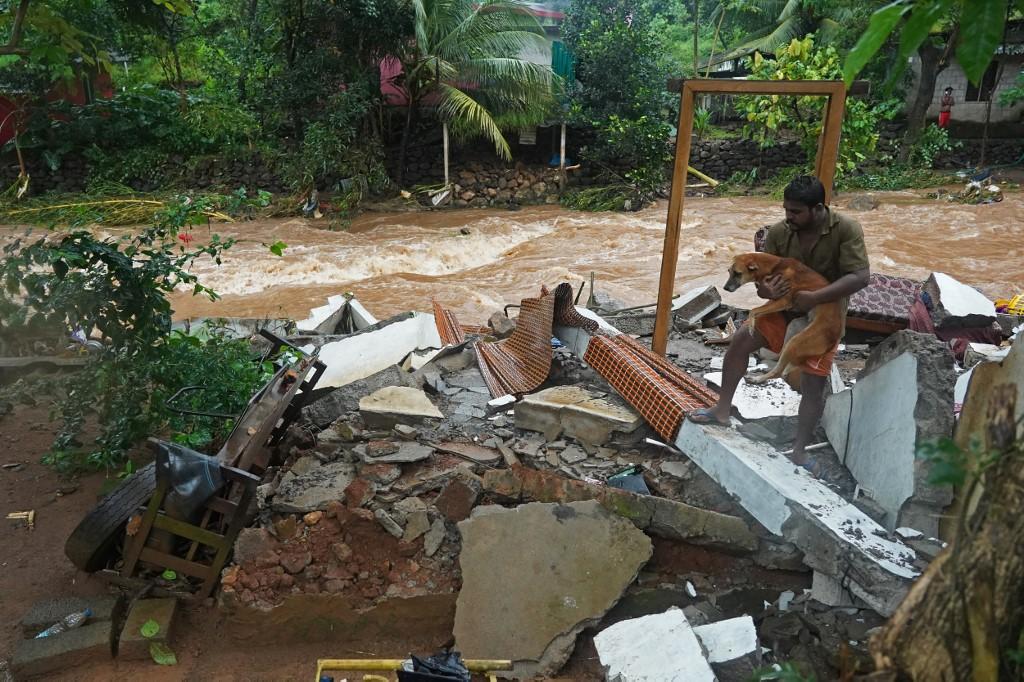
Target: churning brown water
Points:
(396, 262)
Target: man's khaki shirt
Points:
(839, 250)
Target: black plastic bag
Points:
(443, 666)
(194, 479)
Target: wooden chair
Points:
(225, 512)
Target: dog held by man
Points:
(831, 245)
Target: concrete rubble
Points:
(577, 413)
(658, 647)
(903, 400)
(532, 615)
(410, 501)
(957, 305)
(666, 646)
(836, 537)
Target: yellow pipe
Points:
(705, 178)
(392, 664)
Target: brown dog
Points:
(825, 328)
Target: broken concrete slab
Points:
(837, 538)
(758, 401)
(657, 515)
(46, 612)
(472, 451)
(434, 538)
(404, 453)
(326, 319)
(693, 306)
(393, 405)
(313, 490)
(589, 417)
(903, 400)
(830, 591)
(732, 648)
(956, 305)
(77, 647)
(134, 646)
(582, 558)
(662, 646)
(367, 352)
(457, 499)
(576, 339)
(501, 325)
(984, 352)
(329, 405)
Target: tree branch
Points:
(19, 26)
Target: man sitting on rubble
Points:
(829, 243)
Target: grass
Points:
(605, 198)
(114, 204)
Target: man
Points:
(832, 245)
(946, 107)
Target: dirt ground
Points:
(34, 567)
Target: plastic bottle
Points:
(72, 620)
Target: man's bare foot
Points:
(710, 415)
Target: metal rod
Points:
(809, 448)
(636, 307)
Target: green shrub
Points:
(769, 115)
(932, 141)
(118, 287)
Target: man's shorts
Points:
(776, 330)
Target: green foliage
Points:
(135, 134)
(982, 22)
(768, 116)
(891, 178)
(621, 67)
(932, 141)
(951, 465)
(770, 25)
(786, 672)
(701, 122)
(1013, 94)
(606, 198)
(117, 287)
(332, 147)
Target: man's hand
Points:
(773, 287)
(804, 301)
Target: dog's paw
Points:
(757, 378)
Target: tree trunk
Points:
(929, 56)
(696, 35)
(249, 49)
(410, 114)
(963, 617)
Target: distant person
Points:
(833, 246)
(946, 107)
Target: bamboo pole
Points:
(447, 181)
(561, 160)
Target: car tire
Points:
(90, 543)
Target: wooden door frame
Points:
(824, 164)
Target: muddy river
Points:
(395, 262)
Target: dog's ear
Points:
(752, 266)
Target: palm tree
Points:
(466, 60)
(777, 22)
